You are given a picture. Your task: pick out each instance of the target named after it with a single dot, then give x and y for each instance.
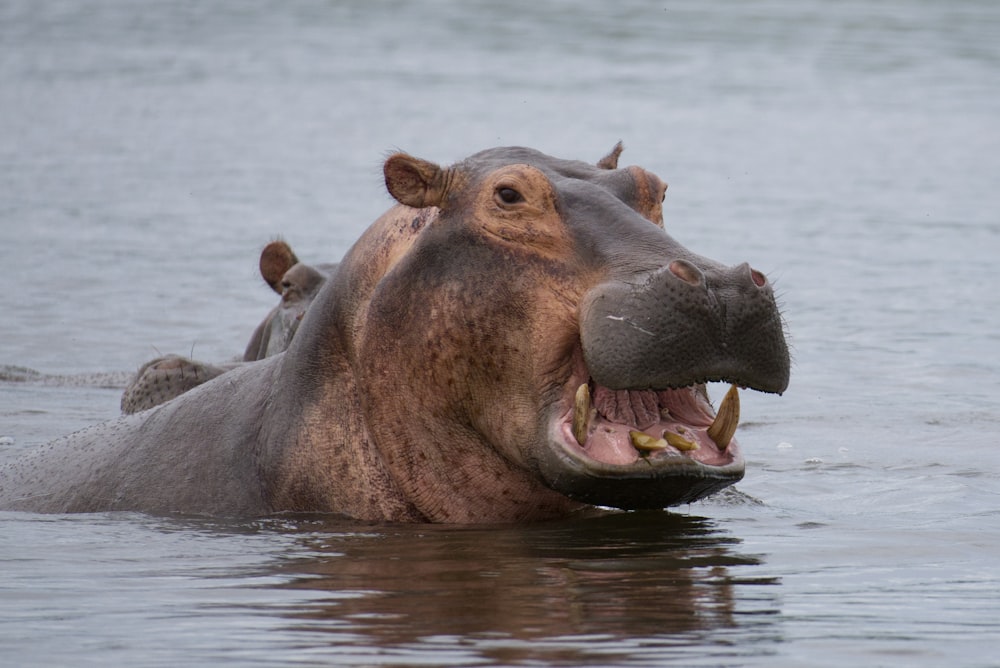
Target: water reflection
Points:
(653, 575)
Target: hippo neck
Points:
(317, 437)
(317, 442)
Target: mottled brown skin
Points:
(431, 377)
(297, 283)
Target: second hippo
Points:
(297, 283)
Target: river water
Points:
(851, 150)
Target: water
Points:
(850, 150)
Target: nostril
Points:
(685, 271)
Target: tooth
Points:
(679, 441)
(643, 441)
(727, 419)
(581, 414)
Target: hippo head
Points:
(538, 328)
(297, 284)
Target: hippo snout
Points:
(685, 323)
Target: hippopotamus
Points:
(297, 283)
(517, 339)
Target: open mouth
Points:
(641, 447)
(633, 429)
(622, 427)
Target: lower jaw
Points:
(613, 445)
(652, 482)
(625, 495)
(647, 483)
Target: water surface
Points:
(850, 150)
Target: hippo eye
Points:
(509, 196)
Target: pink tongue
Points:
(639, 408)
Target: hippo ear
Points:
(610, 161)
(415, 182)
(276, 258)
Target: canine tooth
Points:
(643, 441)
(679, 441)
(581, 414)
(727, 419)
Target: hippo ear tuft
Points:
(276, 258)
(415, 182)
(610, 161)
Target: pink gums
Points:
(684, 412)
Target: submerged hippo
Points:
(517, 338)
(297, 283)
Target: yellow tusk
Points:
(581, 414)
(727, 419)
